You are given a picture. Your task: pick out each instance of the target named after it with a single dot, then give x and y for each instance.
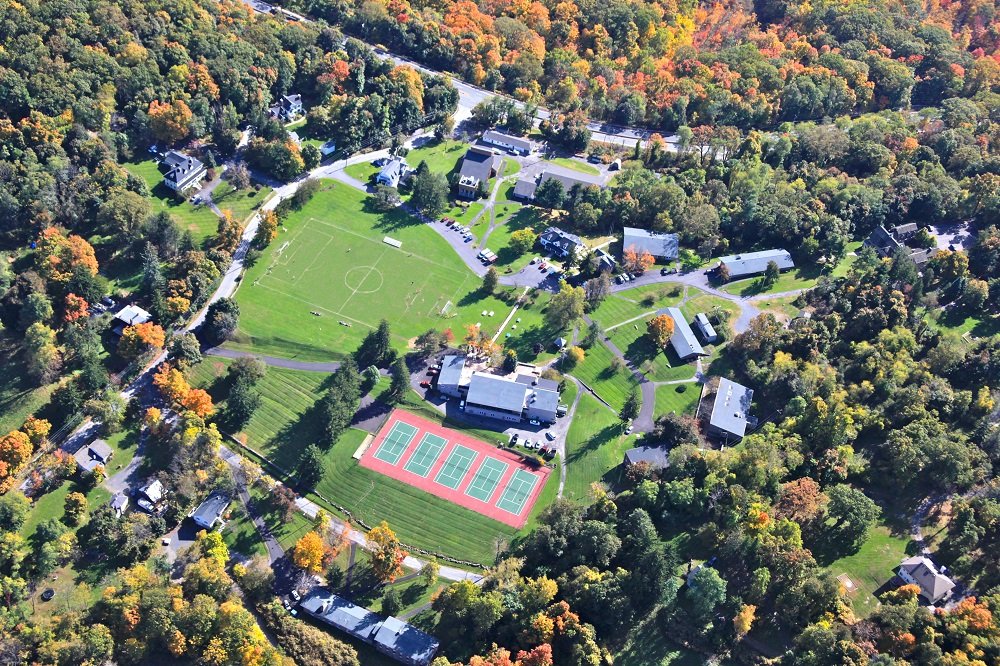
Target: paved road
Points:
(274, 550)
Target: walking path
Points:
(274, 550)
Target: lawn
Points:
(871, 567)
(441, 156)
(658, 365)
(781, 305)
(575, 165)
(955, 319)
(798, 278)
(284, 425)
(287, 532)
(677, 398)
(19, 395)
(596, 371)
(241, 202)
(595, 447)
(525, 217)
(646, 645)
(199, 220)
(362, 171)
(625, 305)
(528, 328)
(329, 278)
(240, 534)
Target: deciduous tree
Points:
(386, 553)
(659, 329)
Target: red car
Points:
(425, 384)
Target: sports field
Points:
(455, 467)
(329, 277)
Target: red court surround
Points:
(458, 496)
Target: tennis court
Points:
(392, 447)
(456, 467)
(517, 492)
(423, 458)
(486, 480)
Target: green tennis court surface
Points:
(517, 492)
(486, 479)
(455, 467)
(396, 442)
(423, 458)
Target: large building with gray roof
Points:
(683, 339)
(731, 411)
(454, 375)
(660, 245)
(513, 400)
(755, 263)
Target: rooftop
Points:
(451, 370)
(210, 511)
(342, 614)
(399, 638)
(497, 392)
(132, 315)
(653, 455)
(657, 244)
(731, 408)
(480, 163)
(701, 319)
(750, 263)
(492, 136)
(683, 339)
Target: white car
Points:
(628, 430)
(534, 422)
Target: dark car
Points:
(48, 594)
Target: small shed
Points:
(654, 456)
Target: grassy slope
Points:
(678, 398)
(19, 396)
(576, 165)
(242, 203)
(334, 240)
(594, 448)
(596, 372)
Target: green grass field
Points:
(594, 448)
(597, 372)
(658, 365)
(19, 395)
(284, 425)
(678, 398)
(631, 303)
(871, 567)
(525, 217)
(242, 203)
(781, 305)
(441, 156)
(331, 260)
(646, 645)
(199, 220)
(576, 165)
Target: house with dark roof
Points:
(654, 456)
(209, 513)
(561, 243)
(391, 173)
(514, 144)
(920, 571)
(660, 245)
(705, 327)
(390, 636)
(755, 263)
(683, 339)
(525, 188)
(96, 454)
(478, 166)
(605, 262)
(150, 497)
(181, 171)
(288, 108)
(731, 410)
(885, 242)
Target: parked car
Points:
(513, 439)
(628, 430)
(534, 422)
(48, 594)
(425, 384)
(549, 436)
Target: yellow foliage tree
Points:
(138, 339)
(311, 553)
(744, 620)
(229, 232)
(659, 329)
(387, 555)
(169, 121)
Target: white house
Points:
(181, 171)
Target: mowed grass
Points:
(595, 447)
(647, 645)
(201, 221)
(575, 165)
(871, 567)
(658, 365)
(596, 371)
(677, 399)
(525, 217)
(329, 259)
(241, 202)
(284, 425)
(625, 305)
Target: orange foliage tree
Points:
(311, 553)
(169, 121)
(659, 329)
(57, 256)
(386, 556)
(15, 451)
(140, 338)
(171, 383)
(228, 233)
(74, 308)
(197, 401)
(636, 261)
(267, 230)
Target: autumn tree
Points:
(169, 122)
(75, 308)
(659, 329)
(41, 354)
(139, 339)
(574, 356)
(801, 500)
(386, 554)
(15, 451)
(311, 553)
(75, 506)
(522, 240)
(228, 232)
(637, 261)
(58, 257)
(37, 430)
(197, 401)
(565, 307)
(743, 621)
(267, 229)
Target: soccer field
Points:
(328, 278)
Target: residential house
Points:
(150, 497)
(886, 242)
(130, 315)
(209, 513)
(453, 379)
(478, 166)
(328, 148)
(288, 108)
(514, 144)
(390, 636)
(561, 243)
(683, 339)
(606, 263)
(920, 571)
(525, 187)
(96, 454)
(755, 263)
(660, 245)
(391, 173)
(654, 456)
(118, 504)
(731, 411)
(705, 327)
(181, 171)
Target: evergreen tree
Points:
(374, 349)
(490, 280)
(400, 380)
(310, 469)
(630, 410)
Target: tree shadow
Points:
(602, 438)
(291, 440)
(523, 342)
